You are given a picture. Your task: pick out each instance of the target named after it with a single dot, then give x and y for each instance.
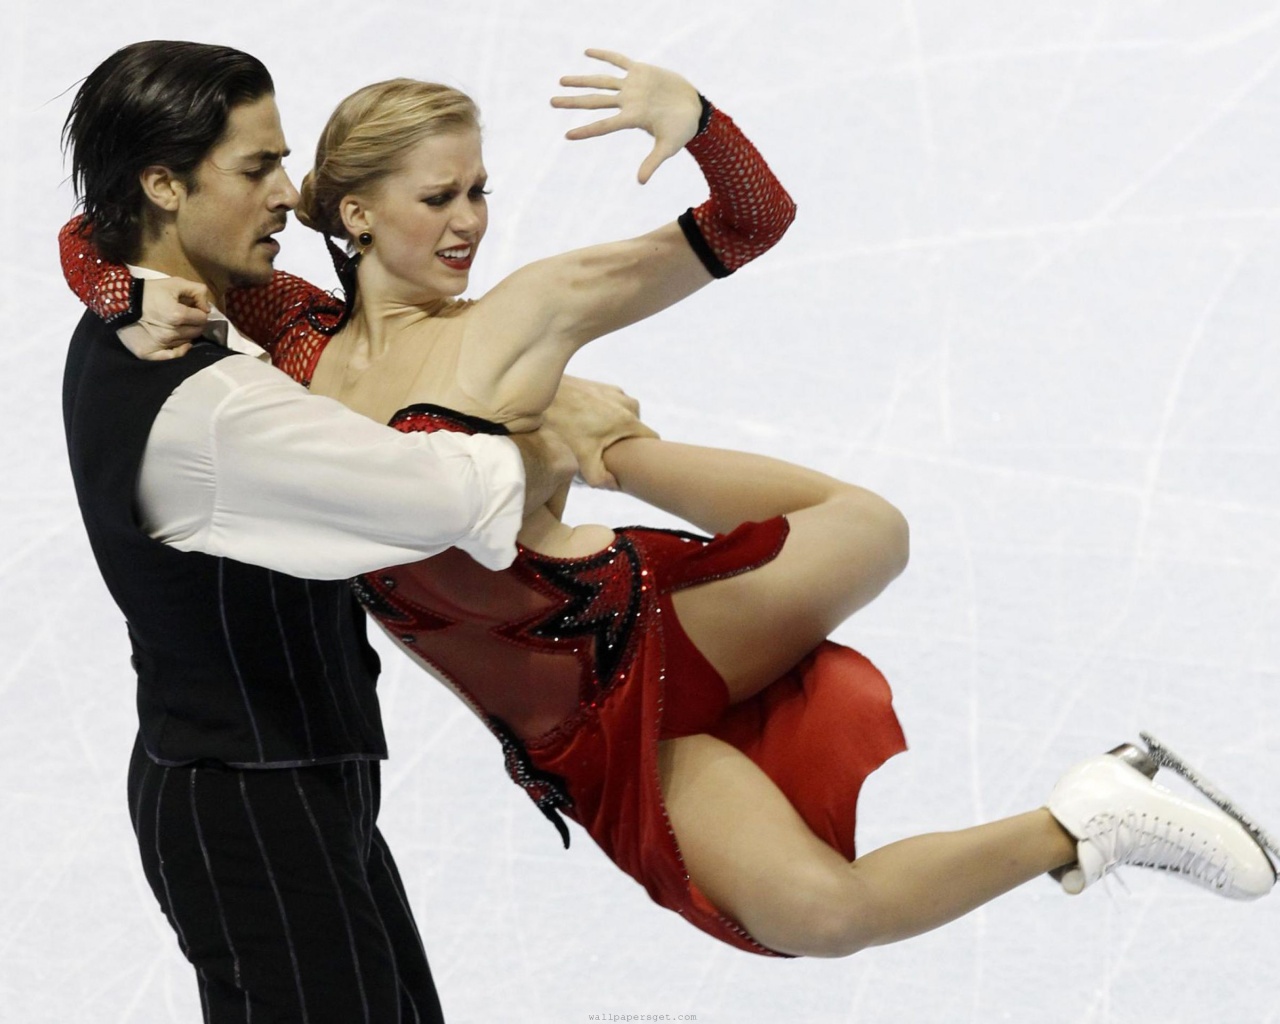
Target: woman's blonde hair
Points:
(368, 136)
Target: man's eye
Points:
(257, 174)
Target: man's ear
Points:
(162, 187)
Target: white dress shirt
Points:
(244, 463)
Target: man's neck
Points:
(171, 260)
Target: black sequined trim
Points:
(545, 788)
(460, 421)
(670, 531)
(375, 600)
(327, 319)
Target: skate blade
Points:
(1166, 758)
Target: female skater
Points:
(673, 694)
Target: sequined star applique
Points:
(600, 602)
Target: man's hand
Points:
(174, 314)
(590, 417)
(549, 466)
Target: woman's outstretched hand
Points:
(648, 97)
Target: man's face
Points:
(241, 196)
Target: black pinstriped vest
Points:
(235, 663)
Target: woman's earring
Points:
(365, 239)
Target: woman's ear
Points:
(355, 216)
(162, 187)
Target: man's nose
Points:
(285, 194)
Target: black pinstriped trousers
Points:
(282, 893)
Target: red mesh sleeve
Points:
(748, 210)
(283, 317)
(108, 289)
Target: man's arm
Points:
(244, 463)
(549, 466)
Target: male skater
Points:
(226, 508)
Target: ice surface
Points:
(1032, 296)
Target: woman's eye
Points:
(479, 192)
(444, 199)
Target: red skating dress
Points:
(579, 666)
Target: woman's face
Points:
(430, 215)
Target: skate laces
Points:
(1143, 840)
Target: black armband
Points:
(133, 313)
(704, 119)
(698, 243)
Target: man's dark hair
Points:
(156, 102)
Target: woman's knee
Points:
(876, 523)
(815, 912)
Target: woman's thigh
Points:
(748, 850)
(755, 626)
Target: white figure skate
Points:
(1162, 756)
(1121, 817)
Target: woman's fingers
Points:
(186, 321)
(657, 156)
(595, 101)
(608, 82)
(650, 98)
(177, 352)
(610, 56)
(190, 293)
(616, 123)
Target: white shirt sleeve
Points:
(244, 463)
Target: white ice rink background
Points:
(1032, 296)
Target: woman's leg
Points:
(744, 844)
(845, 545)
(748, 850)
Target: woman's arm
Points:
(267, 312)
(715, 489)
(173, 310)
(108, 289)
(534, 321)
